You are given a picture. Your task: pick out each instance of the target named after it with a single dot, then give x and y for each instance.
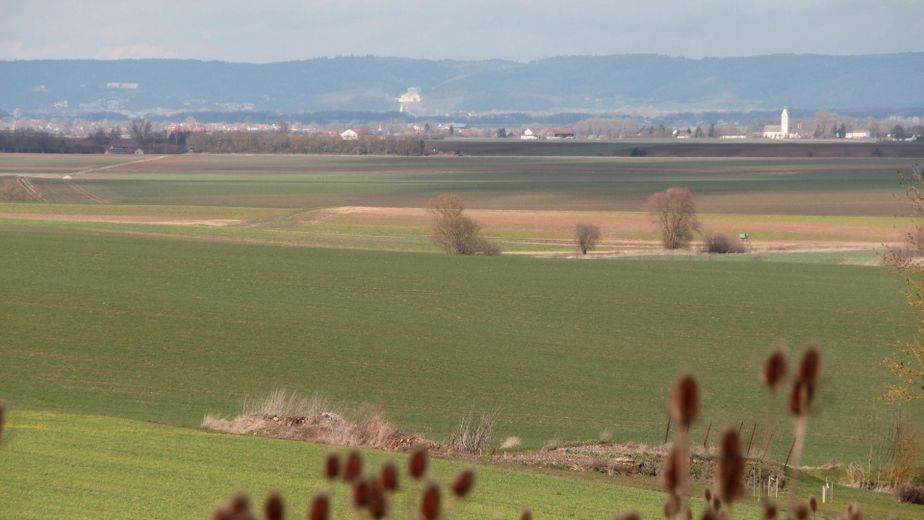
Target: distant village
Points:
(415, 123)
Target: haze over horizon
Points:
(287, 30)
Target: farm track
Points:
(96, 169)
(87, 193)
(30, 188)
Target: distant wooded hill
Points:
(569, 83)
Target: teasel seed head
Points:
(240, 505)
(353, 467)
(527, 515)
(774, 369)
(417, 466)
(360, 493)
(378, 507)
(671, 477)
(332, 466)
(222, 514)
(390, 476)
(769, 511)
(320, 508)
(709, 514)
(463, 483)
(803, 387)
(800, 397)
(707, 494)
(729, 474)
(430, 504)
(810, 365)
(273, 507)
(631, 515)
(685, 400)
(802, 512)
(813, 504)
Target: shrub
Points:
(910, 494)
(455, 233)
(722, 244)
(472, 434)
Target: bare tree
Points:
(586, 237)
(674, 211)
(455, 233)
(140, 131)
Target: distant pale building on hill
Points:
(780, 131)
(349, 135)
(857, 134)
(529, 135)
(410, 97)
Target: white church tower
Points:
(784, 124)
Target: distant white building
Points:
(529, 135)
(349, 135)
(857, 134)
(780, 131)
(410, 97)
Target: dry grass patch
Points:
(287, 415)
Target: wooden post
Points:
(706, 437)
(667, 432)
(793, 445)
(753, 430)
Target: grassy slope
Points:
(168, 330)
(75, 466)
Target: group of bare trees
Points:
(673, 210)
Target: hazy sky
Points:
(262, 31)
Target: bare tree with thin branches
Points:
(674, 211)
(586, 236)
(455, 233)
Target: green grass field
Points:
(125, 322)
(169, 330)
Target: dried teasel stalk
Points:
(685, 400)
(331, 466)
(417, 465)
(672, 473)
(729, 472)
(430, 504)
(463, 483)
(353, 467)
(320, 508)
(360, 493)
(389, 476)
(774, 369)
(273, 508)
(378, 503)
(800, 400)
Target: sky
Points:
(284, 30)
